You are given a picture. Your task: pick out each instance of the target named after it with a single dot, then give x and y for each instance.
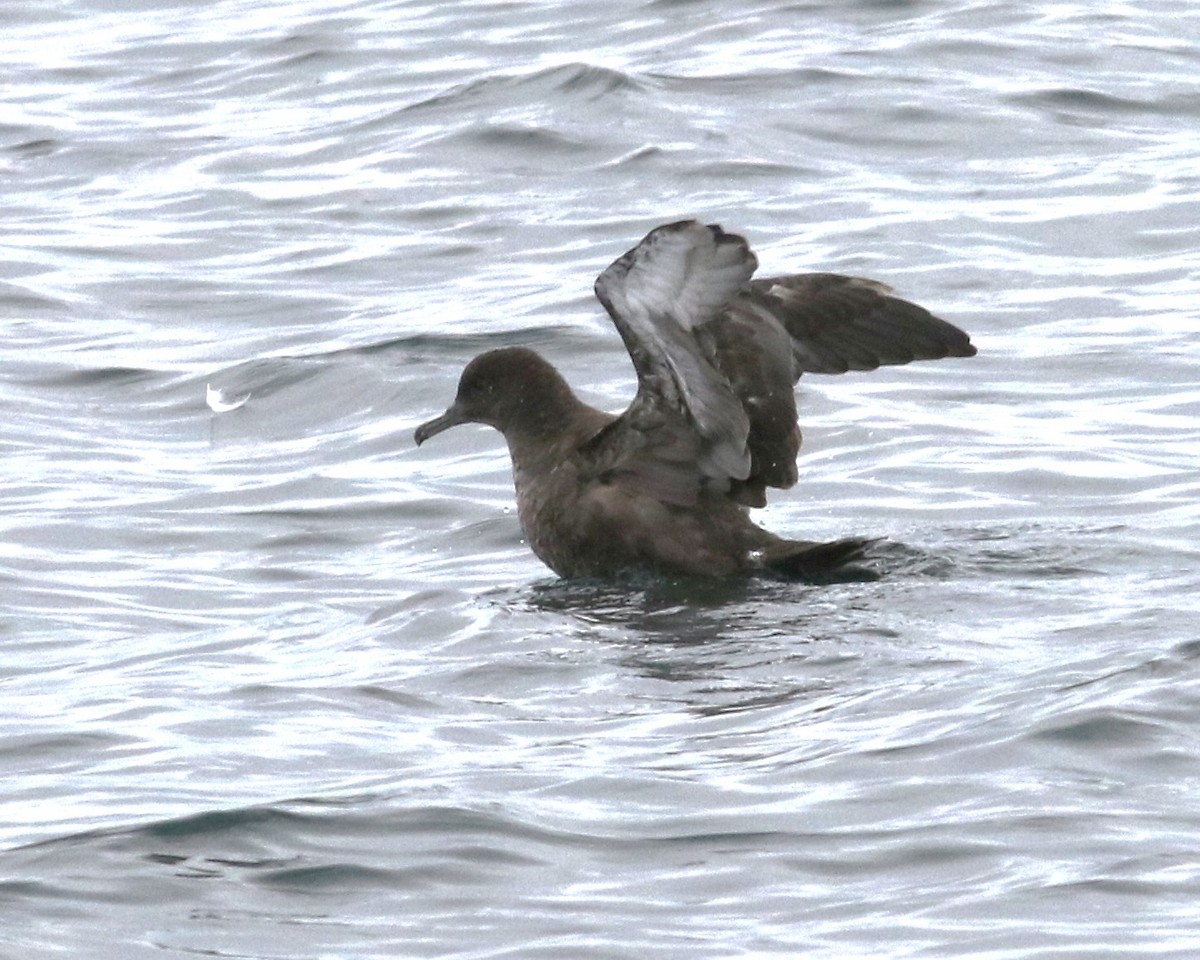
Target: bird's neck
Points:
(549, 428)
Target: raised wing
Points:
(781, 327)
(841, 323)
(718, 355)
(686, 429)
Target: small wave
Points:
(100, 377)
(20, 300)
(1106, 728)
(577, 79)
(37, 147)
(232, 387)
(1086, 100)
(329, 875)
(519, 136)
(757, 81)
(589, 78)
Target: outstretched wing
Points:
(686, 429)
(841, 323)
(717, 357)
(821, 323)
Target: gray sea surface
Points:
(274, 683)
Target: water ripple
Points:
(277, 683)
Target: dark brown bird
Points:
(665, 486)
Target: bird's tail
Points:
(834, 562)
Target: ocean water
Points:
(276, 684)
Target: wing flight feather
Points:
(717, 356)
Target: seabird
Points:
(665, 487)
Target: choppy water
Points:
(273, 683)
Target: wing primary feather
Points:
(717, 355)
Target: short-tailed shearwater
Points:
(665, 486)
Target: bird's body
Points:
(665, 486)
